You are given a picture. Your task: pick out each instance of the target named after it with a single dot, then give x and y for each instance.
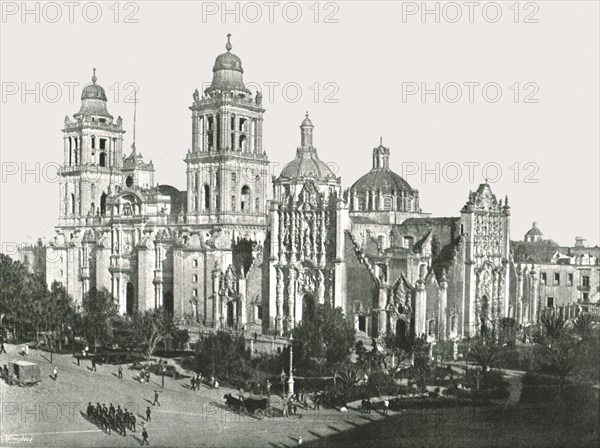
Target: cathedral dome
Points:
(228, 61)
(381, 178)
(384, 180)
(534, 231)
(93, 91)
(93, 100)
(227, 72)
(307, 162)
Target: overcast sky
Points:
(517, 92)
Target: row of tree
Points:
(29, 310)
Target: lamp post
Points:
(291, 378)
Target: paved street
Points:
(53, 413)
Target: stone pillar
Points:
(195, 132)
(242, 294)
(381, 312)
(320, 286)
(291, 297)
(442, 318)
(420, 305)
(279, 303)
(534, 296)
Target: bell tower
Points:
(92, 158)
(226, 165)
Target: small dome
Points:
(93, 100)
(93, 91)
(306, 121)
(534, 230)
(228, 72)
(307, 164)
(228, 61)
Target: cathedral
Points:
(222, 254)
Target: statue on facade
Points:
(196, 95)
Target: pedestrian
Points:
(94, 364)
(284, 407)
(198, 381)
(2, 349)
(156, 399)
(268, 385)
(148, 376)
(132, 421)
(386, 405)
(145, 436)
(148, 412)
(55, 373)
(193, 382)
(26, 349)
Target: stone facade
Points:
(220, 255)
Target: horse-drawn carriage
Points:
(259, 407)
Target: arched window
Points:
(206, 197)
(257, 205)
(102, 159)
(387, 203)
(233, 203)
(431, 327)
(407, 242)
(72, 203)
(233, 180)
(453, 323)
(245, 199)
(103, 204)
(93, 142)
(360, 204)
(242, 143)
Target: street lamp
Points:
(291, 378)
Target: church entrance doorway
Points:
(230, 314)
(168, 302)
(130, 299)
(308, 306)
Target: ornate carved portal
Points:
(488, 297)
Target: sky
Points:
(503, 91)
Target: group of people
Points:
(108, 418)
(196, 381)
(145, 375)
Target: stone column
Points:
(534, 296)
(442, 318)
(279, 303)
(291, 297)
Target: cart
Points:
(24, 373)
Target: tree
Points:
(221, 354)
(61, 310)
(400, 347)
(99, 313)
(485, 353)
(20, 294)
(150, 328)
(583, 326)
(323, 343)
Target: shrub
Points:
(381, 384)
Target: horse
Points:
(231, 401)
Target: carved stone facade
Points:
(221, 255)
